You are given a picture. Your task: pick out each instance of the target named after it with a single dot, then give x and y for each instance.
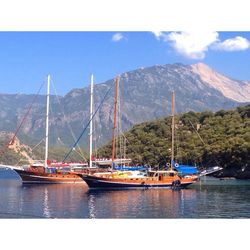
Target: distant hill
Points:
(145, 95)
(226, 137)
(19, 154)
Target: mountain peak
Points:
(201, 67)
(145, 95)
(236, 90)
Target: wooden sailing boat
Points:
(117, 161)
(55, 172)
(114, 161)
(148, 179)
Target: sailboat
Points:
(144, 179)
(47, 172)
(120, 162)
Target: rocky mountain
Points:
(233, 89)
(145, 94)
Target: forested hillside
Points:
(223, 139)
(203, 139)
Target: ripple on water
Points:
(211, 198)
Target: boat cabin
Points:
(162, 174)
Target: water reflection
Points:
(91, 203)
(46, 210)
(210, 199)
(55, 200)
(151, 203)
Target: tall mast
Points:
(91, 122)
(115, 114)
(47, 125)
(173, 125)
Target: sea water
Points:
(208, 198)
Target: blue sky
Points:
(70, 57)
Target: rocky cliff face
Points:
(145, 94)
(232, 89)
(14, 151)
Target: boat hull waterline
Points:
(95, 182)
(47, 178)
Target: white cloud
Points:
(194, 45)
(117, 37)
(157, 34)
(191, 45)
(233, 44)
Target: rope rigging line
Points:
(80, 154)
(38, 144)
(2, 151)
(67, 123)
(31, 150)
(197, 132)
(80, 136)
(202, 140)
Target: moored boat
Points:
(38, 174)
(52, 172)
(155, 179)
(118, 179)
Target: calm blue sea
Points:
(209, 198)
